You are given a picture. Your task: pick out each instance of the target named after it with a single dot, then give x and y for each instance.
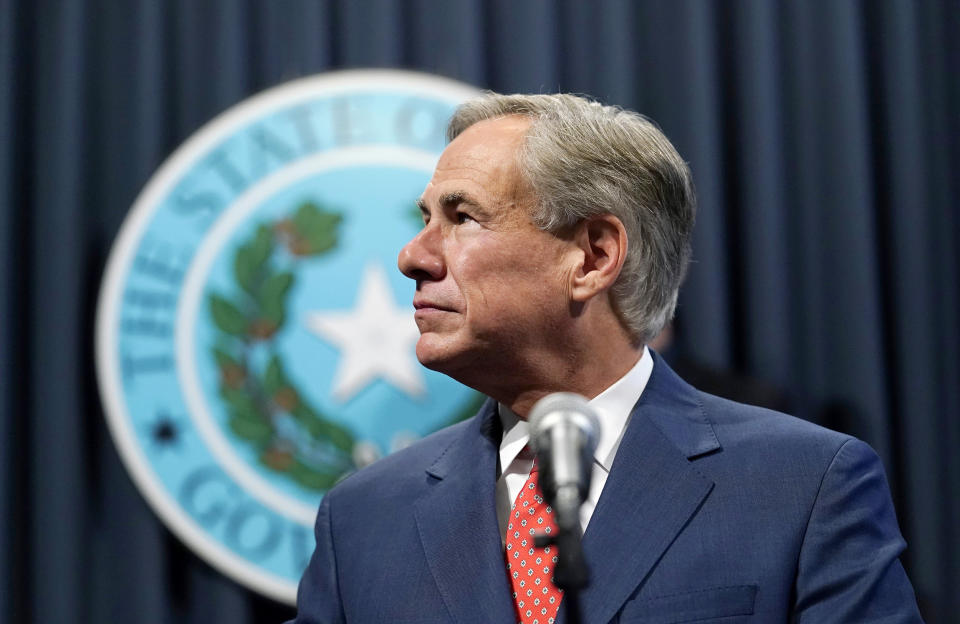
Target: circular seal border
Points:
(121, 255)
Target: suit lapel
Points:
(458, 526)
(651, 494)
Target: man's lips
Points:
(427, 305)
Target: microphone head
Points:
(569, 408)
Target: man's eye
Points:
(463, 217)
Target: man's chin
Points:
(438, 355)
(432, 358)
(462, 361)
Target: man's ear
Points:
(602, 239)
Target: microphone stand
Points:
(571, 573)
(564, 430)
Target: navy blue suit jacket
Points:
(713, 511)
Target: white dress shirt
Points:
(613, 407)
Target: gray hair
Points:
(584, 159)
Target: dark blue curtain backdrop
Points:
(824, 139)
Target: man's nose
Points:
(422, 258)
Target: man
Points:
(556, 236)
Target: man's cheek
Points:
(488, 296)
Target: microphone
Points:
(564, 432)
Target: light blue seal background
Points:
(376, 202)
(377, 205)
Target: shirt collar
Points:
(613, 407)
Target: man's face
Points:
(491, 286)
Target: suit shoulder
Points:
(745, 426)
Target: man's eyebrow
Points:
(449, 200)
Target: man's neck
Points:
(588, 375)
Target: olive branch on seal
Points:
(264, 405)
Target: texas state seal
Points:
(255, 341)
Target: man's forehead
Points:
(485, 154)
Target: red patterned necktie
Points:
(535, 597)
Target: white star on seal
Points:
(375, 339)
